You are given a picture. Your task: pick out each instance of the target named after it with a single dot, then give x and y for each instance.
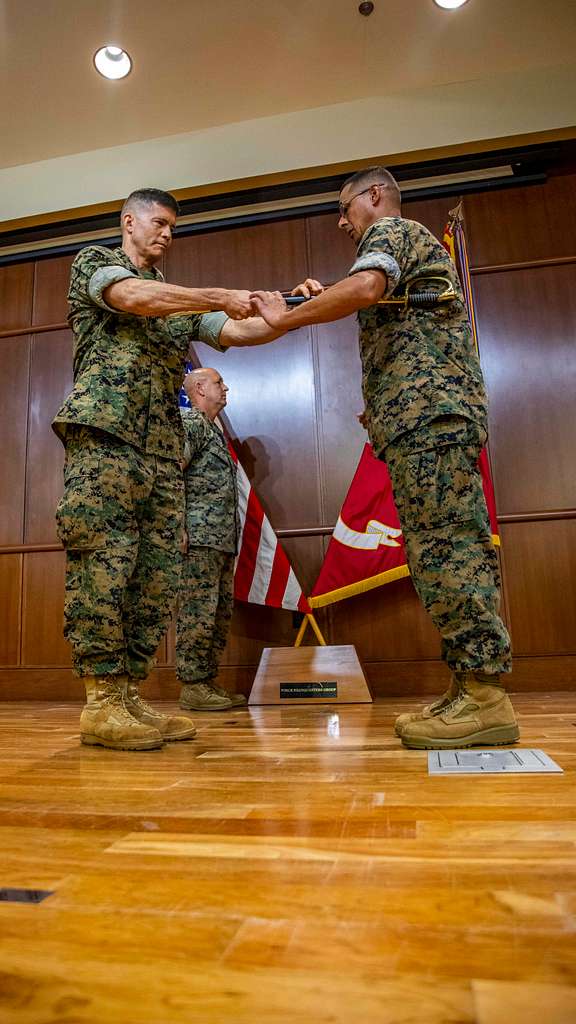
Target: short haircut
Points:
(149, 196)
(374, 176)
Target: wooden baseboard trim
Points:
(385, 679)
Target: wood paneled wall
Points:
(292, 409)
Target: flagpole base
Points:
(310, 675)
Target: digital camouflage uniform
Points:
(206, 597)
(122, 512)
(426, 416)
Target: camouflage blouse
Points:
(211, 489)
(128, 369)
(417, 364)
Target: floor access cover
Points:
(489, 762)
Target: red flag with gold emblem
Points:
(366, 549)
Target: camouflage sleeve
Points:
(93, 270)
(101, 279)
(204, 327)
(211, 325)
(382, 248)
(183, 327)
(196, 433)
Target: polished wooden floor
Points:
(290, 865)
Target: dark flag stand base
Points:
(310, 675)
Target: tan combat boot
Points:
(238, 699)
(204, 697)
(432, 709)
(106, 721)
(481, 715)
(170, 727)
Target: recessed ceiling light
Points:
(450, 5)
(112, 62)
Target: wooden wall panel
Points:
(16, 288)
(43, 610)
(14, 361)
(254, 628)
(50, 382)
(51, 290)
(527, 326)
(170, 645)
(271, 411)
(386, 624)
(306, 555)
(271, 256)
(540, 572)
(183, 262)
(161, 655)
(530, 223)
(339, 402)
(10, 593)
(331, 251)
(434, 213)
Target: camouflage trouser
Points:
(121, 520)
(451, 557)
(205, 604)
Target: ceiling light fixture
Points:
(112, 62)
(450, 5)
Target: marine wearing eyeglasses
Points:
(344, 207)
(425, 412)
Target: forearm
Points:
(156, 298)
(340, 300)
(253, 331)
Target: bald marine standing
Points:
(206, 597)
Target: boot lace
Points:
(119, 701)
(135, 698)
(458, 700)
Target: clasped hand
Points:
(271, 306)
(238, 304)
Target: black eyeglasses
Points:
(344, 207)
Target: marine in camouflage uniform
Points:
(121, 516)
(426, 416)
(206, 596)
(425, 411)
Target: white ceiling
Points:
(199, 64)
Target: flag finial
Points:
(457, 214)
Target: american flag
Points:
(263, 574)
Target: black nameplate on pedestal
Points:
(317, 689)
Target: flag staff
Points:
(309, 620)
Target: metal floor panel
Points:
(490, 762)
(8, 895)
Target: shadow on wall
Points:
(261, 458)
